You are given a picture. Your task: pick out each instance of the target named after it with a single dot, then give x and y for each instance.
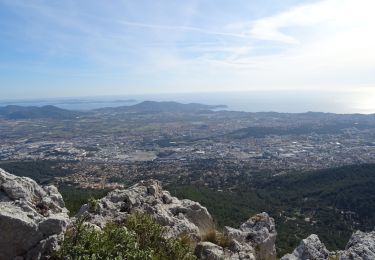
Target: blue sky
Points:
(89, 48)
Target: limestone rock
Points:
(255, 239)
(361, 246)
(259, 232)
(209, 251)
(179, 216)
(309, 249)
(32, 218)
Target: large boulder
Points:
(32, 218)
(236, 251)
(179, 216)
(255, 239)
(258, 231)
(361, 246)
(309, 249)
(211, 251)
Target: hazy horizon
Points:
(255, 101)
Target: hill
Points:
(33, 112)
(158, 107)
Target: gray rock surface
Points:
(210, 251)
(259, 232)
(32, 218)
(361, 246)
(179, 216)
(255, 239)
(309, 249)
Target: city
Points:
(113, 146)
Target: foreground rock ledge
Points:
(32, 218)
(179, 216)
(255, 239)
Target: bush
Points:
(93, 205)
(139, 238)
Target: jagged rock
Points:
(255, 239)
(361, 246)
(309, 249)
(209, 251)
(259, 231)
(179, 216)
(32, 218)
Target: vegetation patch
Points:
(140, 237)
(331, 203)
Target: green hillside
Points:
(331, 203)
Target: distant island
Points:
(164, 106)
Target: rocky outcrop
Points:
(32, 218)
(179, 216)
(309, 249)
(255, 239)
(361, 246)
(260, 232)
(211, 251)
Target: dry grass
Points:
(218, 238)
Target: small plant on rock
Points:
(93, 205)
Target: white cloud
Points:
(182, 28)
(327, 14)
(323, 45)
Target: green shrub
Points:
(139, 238)
(93, 205)
(151, 234)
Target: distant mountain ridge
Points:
(163, 106)
(33, 112)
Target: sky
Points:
(123, 47)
